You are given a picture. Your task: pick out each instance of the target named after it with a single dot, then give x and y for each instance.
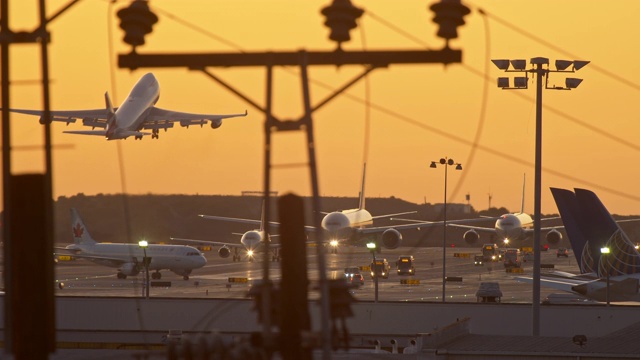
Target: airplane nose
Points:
(335, 221)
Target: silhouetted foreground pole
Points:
(294, 304)
(30, 296)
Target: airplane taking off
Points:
(251, 241)
(129, 258)
(590, 227)
(137, 112)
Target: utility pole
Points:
(341, 17)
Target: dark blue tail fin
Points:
(590, 227)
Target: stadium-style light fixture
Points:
(579, 64)
(521, 82)
(502, 64)
(540, 68)
(519, 64)
(572, 83)
(563, 64)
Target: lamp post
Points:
(446, 162)
(372, 247)
(145, 261)
(605, 255)
(540, 67)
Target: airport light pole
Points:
(145, 261)
(605, 254)
(540, 68)
(372, 247)
(446, 162)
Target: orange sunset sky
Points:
(419, 113)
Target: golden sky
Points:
(419, 113)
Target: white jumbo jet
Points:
(129, 258)
(138, 112)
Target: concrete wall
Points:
(76, 315)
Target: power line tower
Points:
(137, 21)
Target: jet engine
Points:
(471, 236)
(216, 123)
(391, 238)
(181, 272)
(224, 252)
(554, 236)
(129, 269)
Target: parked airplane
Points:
(129, 258)
(138, 112)
(250, 242)
(348, 225)
(590, 227)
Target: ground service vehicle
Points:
(380, 267)
(478, 260)
(353, 276)
(404, 264)
(491, 252)
(562, 252)
(512, 258)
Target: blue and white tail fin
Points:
(590, 227)
(362, 197)
(79, 232)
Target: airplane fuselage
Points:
(162, 256)
(513, 226)
(252, 239)
(131, 114)
(341, 224)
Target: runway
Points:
(83, 278)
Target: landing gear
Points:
(138, 137)
(156, 275)
(121, 276)
(155, 134)
(186, 277)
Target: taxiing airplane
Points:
(345, 226)
(250, 243)
(590, 227)
(129, 258)
(137, 112)
(511, 228)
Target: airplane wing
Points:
(106, 259)
(216, 243)
(90, 117)
(163, 119)
(390, 215)
(420, 224)
(273, 224)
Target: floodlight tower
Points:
(540, 67)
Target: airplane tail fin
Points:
(111, 114)
(262, 217)
(362, 197)
(590, 227)
(80, 233)
(573, 224)
(524, 182)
